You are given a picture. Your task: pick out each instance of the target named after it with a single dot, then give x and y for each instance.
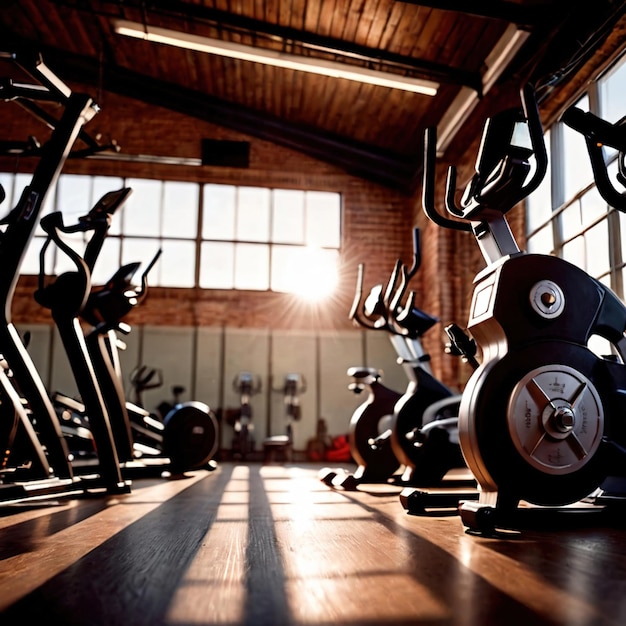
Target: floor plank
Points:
(267, 544)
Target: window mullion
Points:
(557, 185)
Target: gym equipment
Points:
(31, 431)
(143, 378)
(148, 426)
(65, 296)
(424, 430)
(540, 418)
(246, 385)
(457, 483)
(183, 435)
(370, 425)
(186, 437)
(414, 432)
(282, 445)
(368, 434)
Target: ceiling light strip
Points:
(274, 58)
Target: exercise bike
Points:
(541, 418)
(368, 434)
(424, 429)
(144, 378)
(414, 432)
(281, 446)
(370, 424)
(243, 444)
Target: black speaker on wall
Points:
(224, 153)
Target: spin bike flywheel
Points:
(376, 461)
(531, 424)
(190, 436)
(430, 459)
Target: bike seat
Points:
(364, 372)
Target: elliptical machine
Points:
(541, 418)
(370, 424)
(424, 429)
(187, 437)
(46, 460)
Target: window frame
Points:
(198, 237)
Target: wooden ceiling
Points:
(370, 131)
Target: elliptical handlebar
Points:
(537, 142)
(394, 310)
(144, 276)
(594, 127)
(375, 306)
(53, 226)
(417, 252)
(398, 270)
(405, 275)
(32, 63)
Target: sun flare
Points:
(314, 276)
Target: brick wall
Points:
(376, 226)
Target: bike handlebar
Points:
(500, 181)
(594, 127)
(598, 133)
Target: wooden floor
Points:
(268, 544)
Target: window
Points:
(566, 215)
(278, 239)
(211, 236)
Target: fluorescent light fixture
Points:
(274, 57)
(499, 58)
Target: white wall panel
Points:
(338, 352)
